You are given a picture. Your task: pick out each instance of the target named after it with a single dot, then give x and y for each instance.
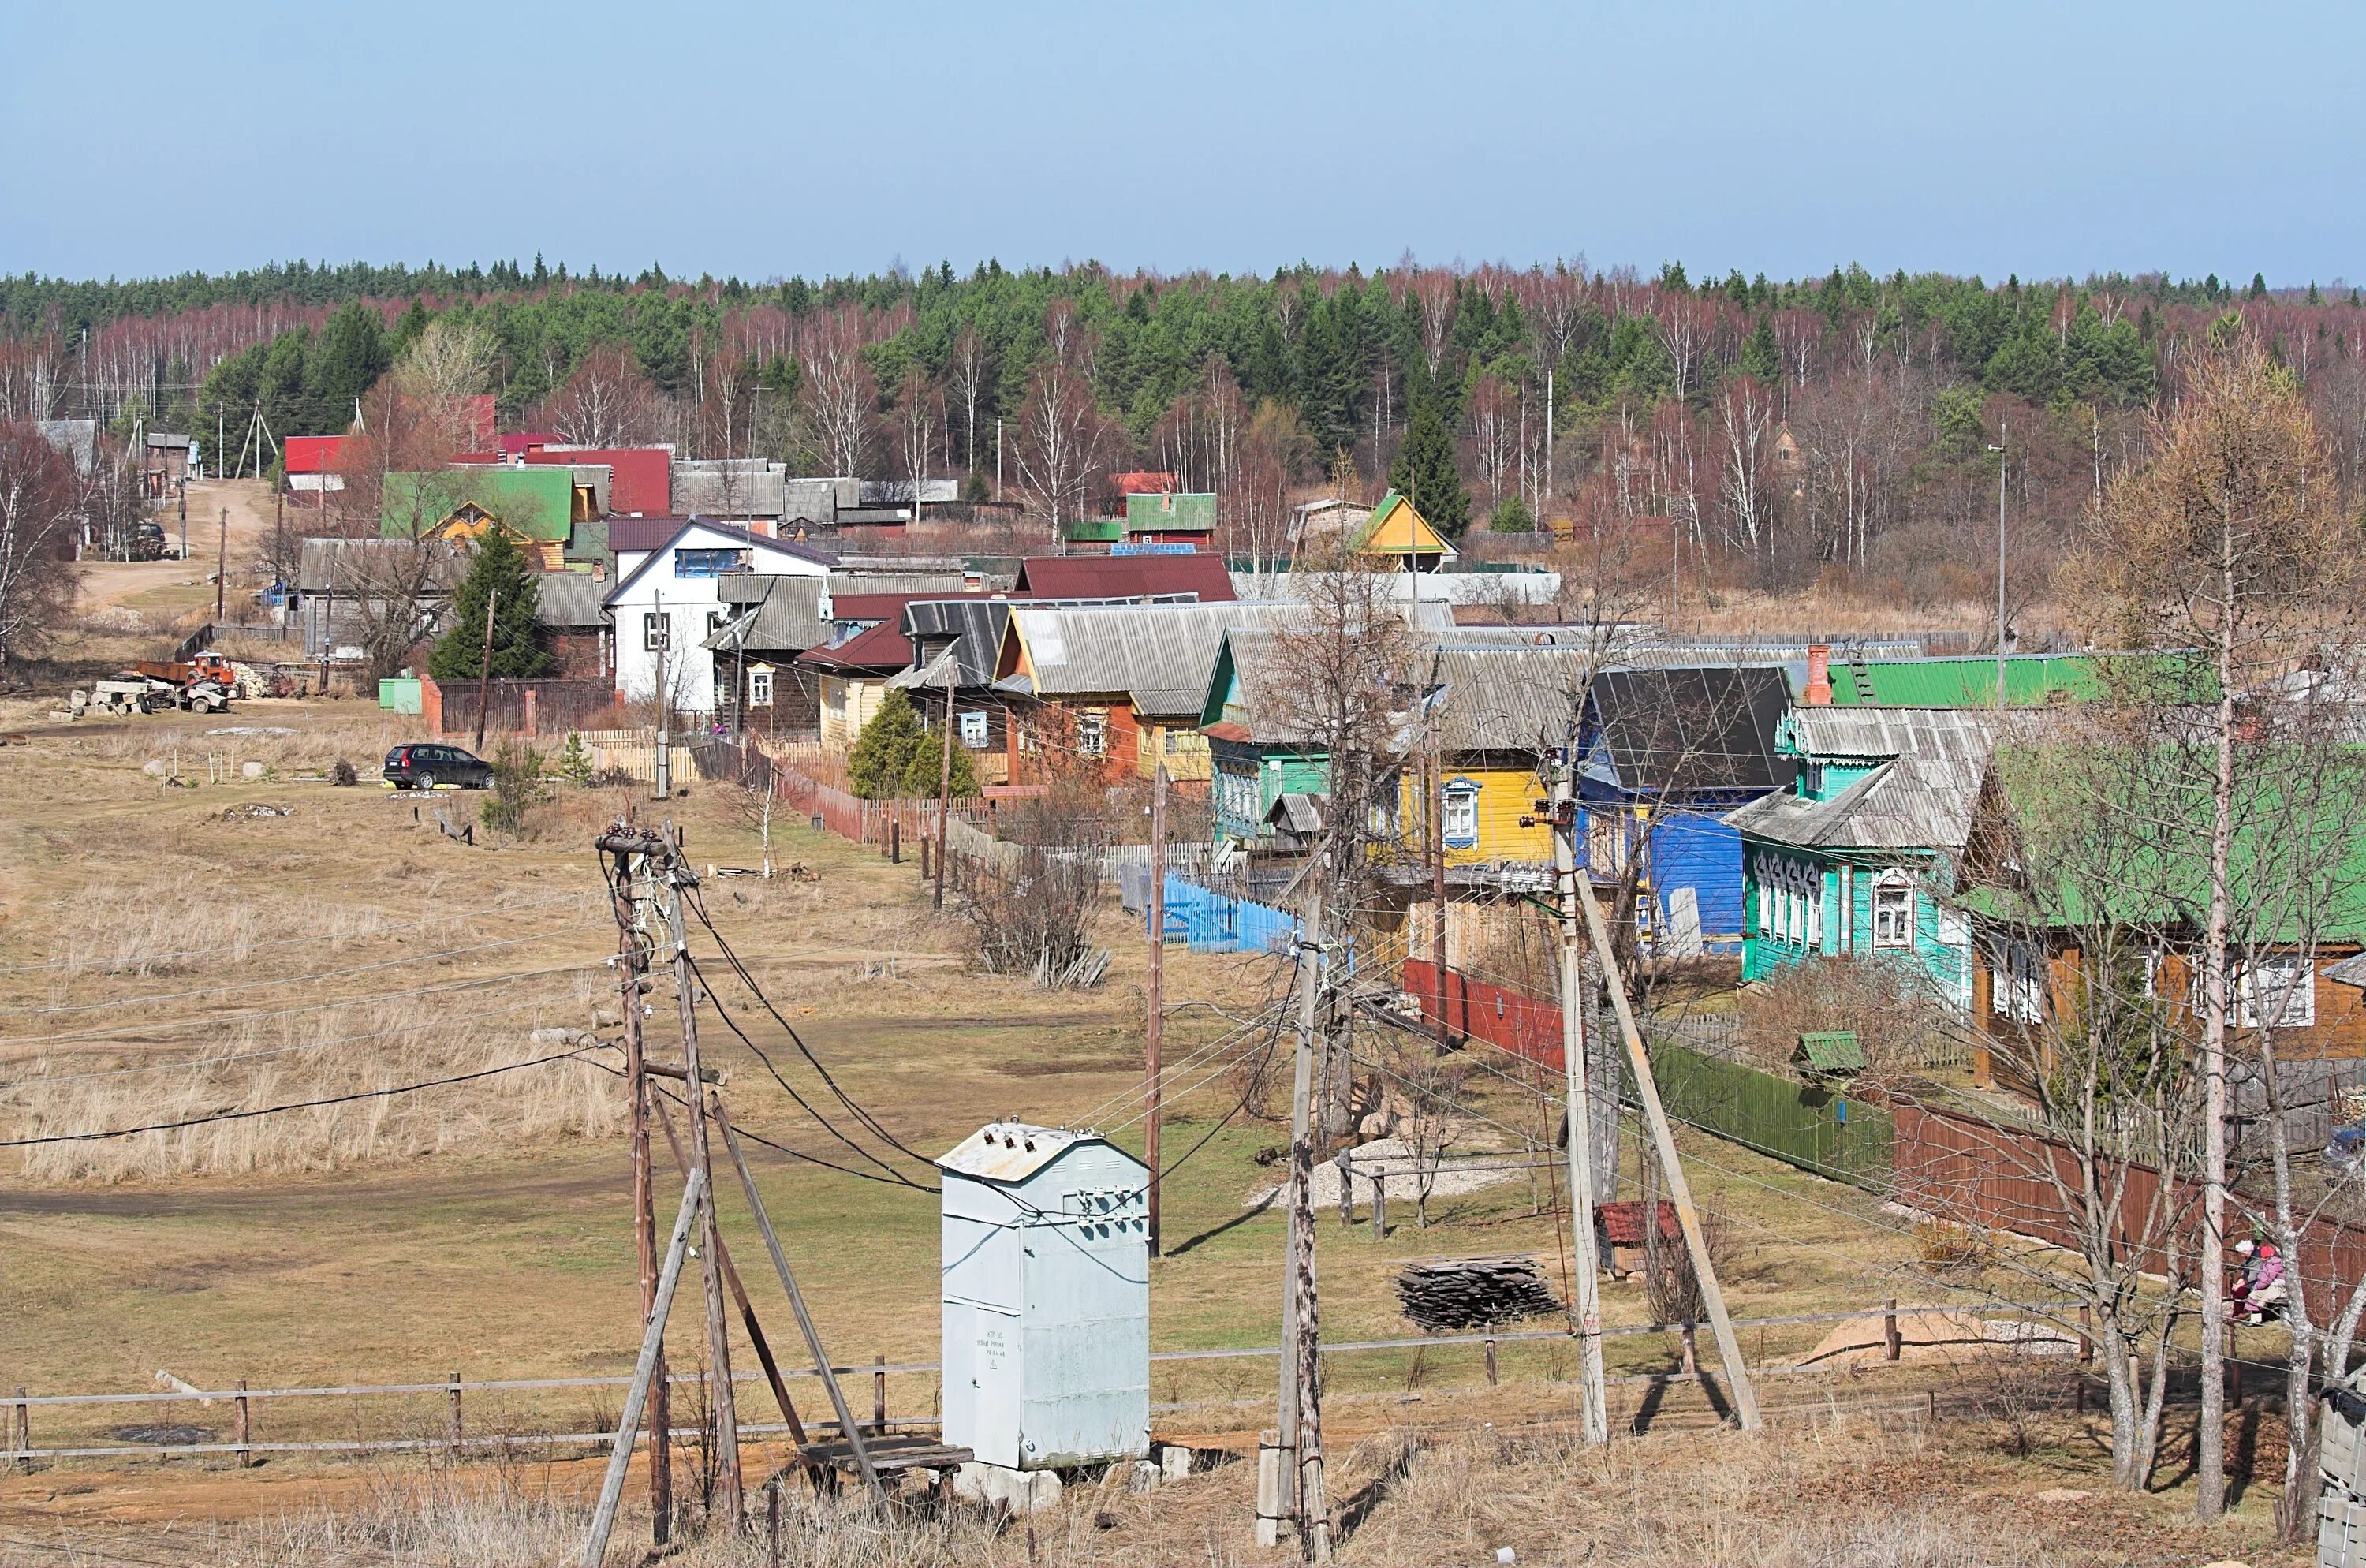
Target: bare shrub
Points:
(1899, 1021)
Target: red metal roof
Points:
(1144, 483)
(640, 479)
(313, 454)
(883, 648)
(1125, 577)
(522, 442)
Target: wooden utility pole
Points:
(485, 669)
(1585, 1287)
(710, 1240)
(1301, 1413)
(1434, 810)
(1155, 1018)
(631, 967)
(1647, 1089)
(221, 570)
(620, 1454)
(945, 793)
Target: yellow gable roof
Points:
(1394, 528)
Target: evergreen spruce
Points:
(496, 568)
(1425, 474)
(895, 756)
(1761, 357)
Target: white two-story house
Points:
(668, 600)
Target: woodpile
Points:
(1473, 1292)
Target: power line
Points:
(298, 1104)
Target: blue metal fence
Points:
(1208, 920)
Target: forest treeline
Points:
(1844, 423)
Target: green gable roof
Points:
(537, 501)
(1831, 1051)
(1095, 531)
(1149, 514)
(2106, 835)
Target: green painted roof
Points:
(537, 501)
(1192, 514)
(1831, 1051)
(1964, 683)
(1095, 531)
(2108, 835)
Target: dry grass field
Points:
(165, 953)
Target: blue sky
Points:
(764, 141)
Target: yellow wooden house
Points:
(470, 522)
(1491, 715)
(1396, 533)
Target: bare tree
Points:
(604, 401)
(38, 517)
(1494, 419)
(2231, 540)
(972, 368)
(1745, 416)
(918, 412)
(1063, 437)
(839, 391)
(451, 360)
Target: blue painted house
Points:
(1859, 856)
(1667, 756)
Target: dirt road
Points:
(171, 586)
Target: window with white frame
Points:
(1815, 897)
(1092, 732)
(1765, 871)
(1893, 909)
(2017, 982)
(1240, 795)
(759, 688)
(2277, 993)
(973, 730)
(1461, 815)
(656, 634)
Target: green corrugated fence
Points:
(1819, 1129)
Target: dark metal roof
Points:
(974, 625)
(1692, 731)
(881, 650)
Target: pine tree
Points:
(1761, 357)
(496, 570)
(1425, 474)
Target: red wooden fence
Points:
(1474, 1009)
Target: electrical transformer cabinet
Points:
(1046, 1294)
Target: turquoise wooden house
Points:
(1858, 858)
(1258, 750)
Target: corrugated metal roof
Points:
(1919, 799)
(729, 486)
(356, 566)
(570, 601)
(775, 613)
(905, 582)
(1010, 1152)
(974, 625)
(1159, 656)
(1507, 698)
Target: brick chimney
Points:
(1819, 676)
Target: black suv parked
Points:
(425, 767)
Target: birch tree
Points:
(2231, 541)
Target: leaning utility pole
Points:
(1155, 1015)
(1585, 1286)
(631, 860)
(1655, 1116)
(678, 875)
(1300, 1415)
